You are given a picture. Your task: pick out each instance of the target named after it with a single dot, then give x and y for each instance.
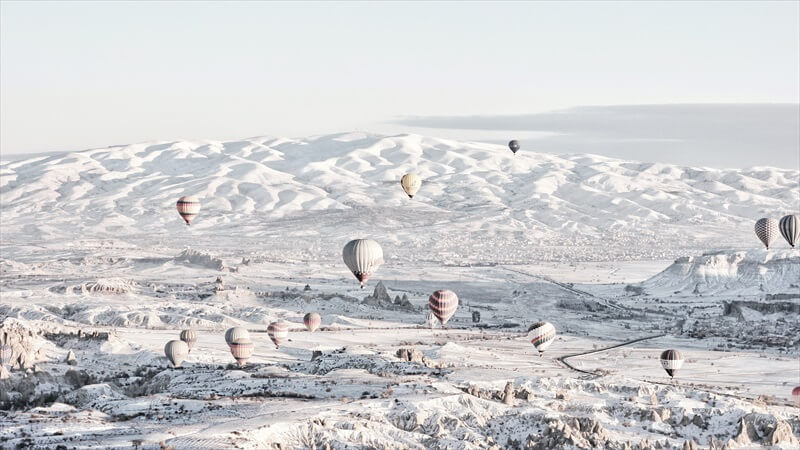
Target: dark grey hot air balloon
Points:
(671, 361)
(176, 351)
(362, 257)
(514, 146)
(790, 228)
(767, 230)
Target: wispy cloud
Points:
(719, 135)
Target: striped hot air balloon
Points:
(443, 304)
(242, 350)
(190, 337)
(767, 230)
(278, 332)
(312, 321)
(188, 207)
(176, 351)
(790, 228)
(671, 361)
(6, 352)
(236, 333)
(796, 396)
(362, 257)
(542, 335)
(411, 183)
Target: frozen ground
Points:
(96, 261)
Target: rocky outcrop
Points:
(764, 429)
(380, 298)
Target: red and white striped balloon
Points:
(443, 304)
(278, 332)
(188, 207)
(242, 350)
(312, 321)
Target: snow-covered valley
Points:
(97, 264)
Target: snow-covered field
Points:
(96, 261)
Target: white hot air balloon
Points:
(411, 183)
(312, 321)
(542, 335)
(236, 333)
(767, 230)
(671, 361)
(176, 351)
(190, 337)
(362, 257)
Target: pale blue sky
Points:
(80, 75)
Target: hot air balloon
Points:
(312, 321)
(542, 335)
(188, 207)
(236, 333)
(362, 257)
(790, 228)
(278, 332)
(767, 230)
(411, 183)
(190, 337)
(176, 351)
(796, 396)
(443, 304)
(671, 361)
(6, 352)
(514, 146)
(242, 350)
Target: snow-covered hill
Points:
(335, 187)
(755, 272)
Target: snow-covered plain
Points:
(95, 260)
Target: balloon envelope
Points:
(443, 304)
(278, 332)
(514, 145)
(411, 183)
(188, 207)
(236, 333)
(767, 230)
(671, 361)
(176, 351)
(796, 396)
(312, 321)
(542, 335)
(190, 337)
(242, 350)
(363, 257)
(790, 228)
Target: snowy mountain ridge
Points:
(263, 187)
